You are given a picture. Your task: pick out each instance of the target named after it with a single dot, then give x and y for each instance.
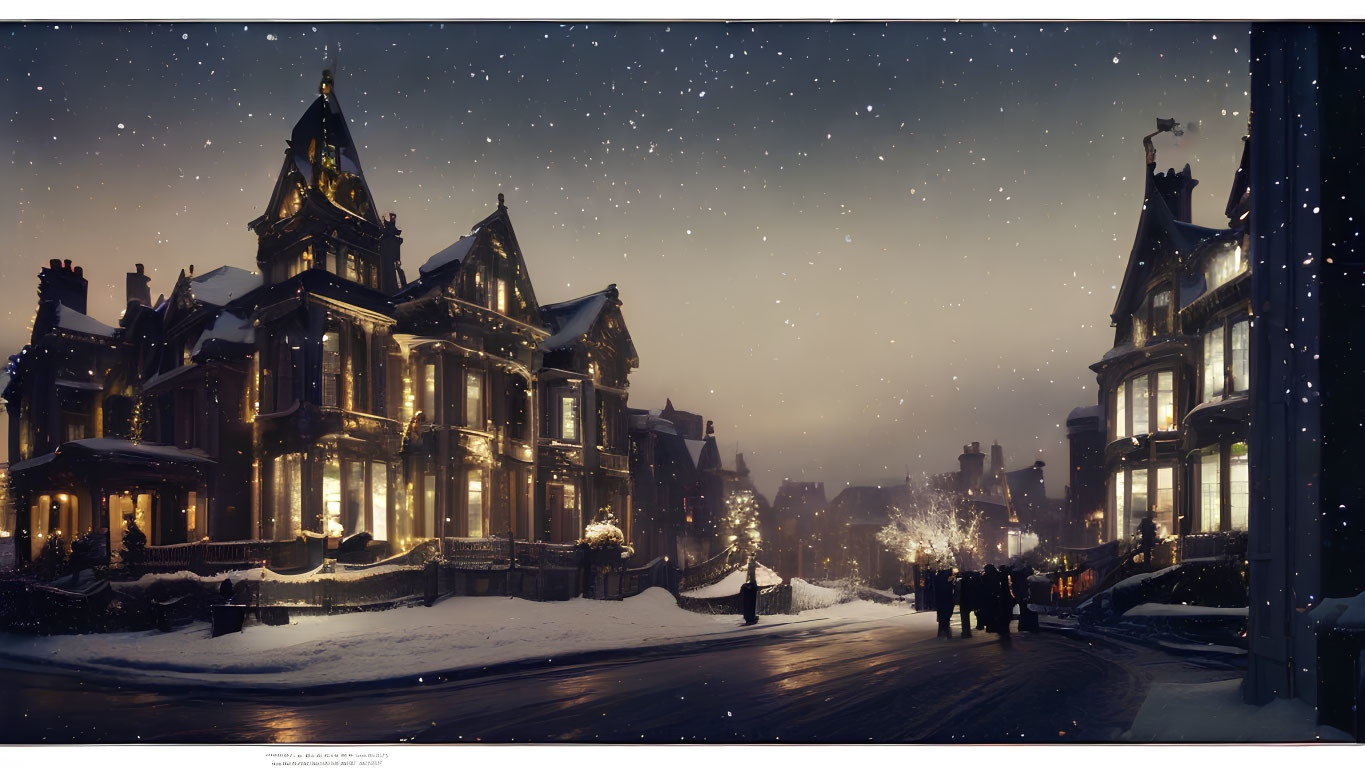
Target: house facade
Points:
(324, 393)
(1173, 390)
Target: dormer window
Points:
(1154, 317)
(1221, 267)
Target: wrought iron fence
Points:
(711, 571)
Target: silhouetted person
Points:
(965, 586)
(943, 601)
(748, 594)
(1147, 539)
(989, 593)
(1028, 618)
(1005, 603)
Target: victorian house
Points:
(1173, 389)
(323, 394)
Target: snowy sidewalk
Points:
(406, 644)
(1215, 713)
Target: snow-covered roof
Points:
(72, 320)
(168, 375)
(1084, 412)
(93, 386)
(653, 422)
(227, 327)
(456, 251)
(571, 320)
(222, 285)
(116, 446)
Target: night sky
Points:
(855, 247)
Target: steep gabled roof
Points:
(570, 321)
(1159, 234)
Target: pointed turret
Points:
(321, 214)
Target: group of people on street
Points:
(992, 594)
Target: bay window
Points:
(1144, 404)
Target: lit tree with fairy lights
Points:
(933, 532)
(741, 523)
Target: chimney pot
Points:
(139, 268)
(66, 264)
(55, 264)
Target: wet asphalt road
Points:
(883, 681)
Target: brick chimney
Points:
(58, 283)
(139, 288)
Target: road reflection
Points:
(886, 682)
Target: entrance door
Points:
(561, 502)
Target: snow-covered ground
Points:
(1215, 712)
(405, 644)
(1181, 611)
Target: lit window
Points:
(500, 292)
(1165, 401)
(1210, 502)
(353, 268)
(429, 505)
(331, 368)
(1164, 508)
(1141, 412)
(1121, 411)
(1239, 486)
(474, 508)
(473, 399)
(379, 500)
(1213, 364)
(1120, 501)
(1138, 505)
(1161, 313)
(1223, 266)
(568, 410)
(429, 392)
(1239, 343)
(331, 496)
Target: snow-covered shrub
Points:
(603, 534)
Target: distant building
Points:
(681, 490)
(1085, 491)
(324, 393)
(799, 512)
(857, 515)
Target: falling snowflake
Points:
(1116, 59)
